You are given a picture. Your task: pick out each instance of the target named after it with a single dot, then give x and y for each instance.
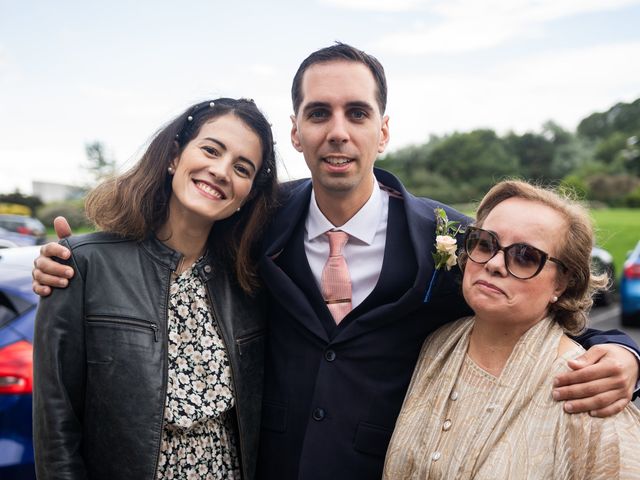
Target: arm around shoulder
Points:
(59, 381)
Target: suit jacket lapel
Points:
(393, 295)
(289, 276)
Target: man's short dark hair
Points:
(341, 51)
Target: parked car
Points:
(4, 243)
(602, 262)
(17, 315)
(13, 239)
(630, 289)
(29, 231)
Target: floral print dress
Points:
(197, 440)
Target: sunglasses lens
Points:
(480, 246)
(523, 260)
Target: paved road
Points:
(606, 318)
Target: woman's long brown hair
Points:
(136, 203)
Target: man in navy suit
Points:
(333, 389)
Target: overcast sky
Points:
(77, 71)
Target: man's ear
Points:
(384, 134)
(295, 138)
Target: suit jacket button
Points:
(207, 269)
(330, 355)
(319, 414)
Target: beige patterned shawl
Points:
(519, 432)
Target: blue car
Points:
(17, 314)
(630, 289)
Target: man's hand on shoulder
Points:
(47, 272)
(601, 383)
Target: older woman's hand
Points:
(602, 382)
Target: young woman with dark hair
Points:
(149, 365)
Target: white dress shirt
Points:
(364, 252)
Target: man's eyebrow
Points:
(354, 104)
(360, 104)
(312, 105)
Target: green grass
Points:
(618, 231)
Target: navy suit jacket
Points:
(333, 393)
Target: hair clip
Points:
(189, 118)
(212, 104)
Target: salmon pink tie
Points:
(336, 281)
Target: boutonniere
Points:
(444, 255)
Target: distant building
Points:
(56, 192)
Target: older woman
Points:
(479, 404)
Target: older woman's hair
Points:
(136, 203)
(575, 243)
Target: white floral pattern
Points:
(197, 441)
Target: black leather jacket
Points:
(100, 360)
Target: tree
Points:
(99, 165)
(622, 117)
(477, 159)
(610, 147)
(571, 157)
(535, 153)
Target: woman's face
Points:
(215, 171)
(496, 295)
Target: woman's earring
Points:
(171, 170)
(238, 209)
(554, 299)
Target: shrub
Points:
(72, 210)
(633, 199)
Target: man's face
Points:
(340, 130)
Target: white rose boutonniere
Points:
(446, 246)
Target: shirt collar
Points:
(363, 225)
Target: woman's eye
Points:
(242, 170)
(484, 245)
(210, 150)
(525, 255)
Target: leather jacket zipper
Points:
(129, 321)
(225, 340)
(165, 373)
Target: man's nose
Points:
(339, 129)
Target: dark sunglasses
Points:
(522, 260)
